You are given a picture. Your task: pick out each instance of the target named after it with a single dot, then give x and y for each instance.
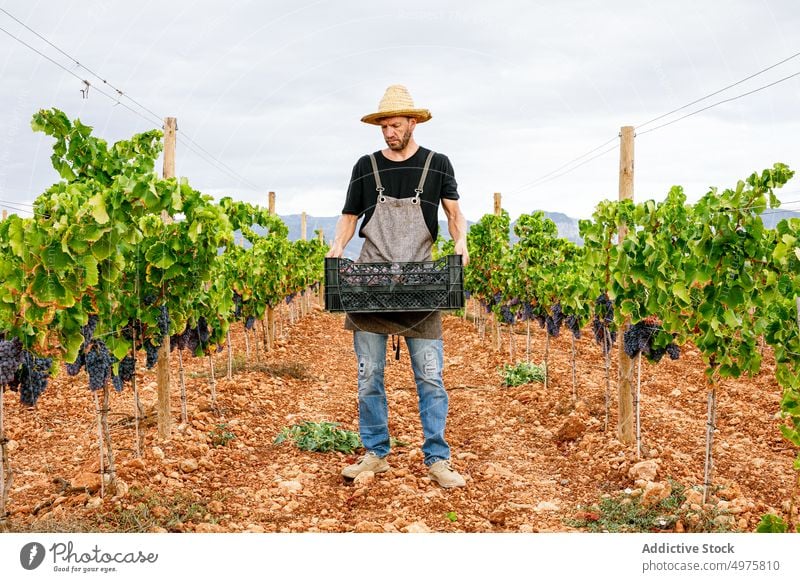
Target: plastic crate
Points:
(386, 287)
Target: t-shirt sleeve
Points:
(449, 184)
(354, 203)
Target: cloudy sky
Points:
(268, 95)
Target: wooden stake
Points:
(710, 427)
(100, 443)
(247, 347)
(170, 135)
(138, 409)
(574, 377)
(5, 214)
(269, 340)
(137, 405)
(270, 336)
(230, 356)
(528, 340)
(636, 405)
(303, 226)
(162, 366)
(112, 473)
(6, 475)
(182, 377)
(546, 358)
(511, 342)
(213, 384)
(625, 428)
(498, 206)
(607, 354)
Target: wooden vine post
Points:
(496, 339)
(321, 286)
(162, 366)
(270, 312)
(625, 431)
(6, 474)
(303, 236)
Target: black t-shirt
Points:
(399, 180)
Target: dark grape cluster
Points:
(149, 299)
(194, 337)
(249, 323)
(237, 305)
(574, 325)
(127, 368)
(602, 323)
(492, 301)
(467, 293)
(554, 320)
(203, 332)
(133, 326)
(88, 329)
(639, 339)
(192, 340)
(88, 334)
(125, 372)
(152, 353)
(75, 367)
(177, 341)
(10, 359)
(507, 315)
(636, 339)
(31, 378)
(98, 365)
(289, 298)
(163, 321)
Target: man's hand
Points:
(345, 228)
(336, 251)
(461, 249)
(457, 225)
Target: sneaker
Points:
(445, 475)
(369, 462)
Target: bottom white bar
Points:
(389, 557)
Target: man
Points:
(398, 190)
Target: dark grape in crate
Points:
(386, 287)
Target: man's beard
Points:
(401, 145)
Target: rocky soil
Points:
(534, 458)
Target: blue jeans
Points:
(373, 413)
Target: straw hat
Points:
(397, 102)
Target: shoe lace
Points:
(445, 464)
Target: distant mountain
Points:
(771, 217)
(567, 227)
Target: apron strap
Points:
(378, 185)
(424, 175)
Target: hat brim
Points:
(421, 115)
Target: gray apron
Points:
(397, 232)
